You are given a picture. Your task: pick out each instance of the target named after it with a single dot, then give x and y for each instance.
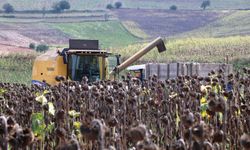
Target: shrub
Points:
(8, 8)
(205, 4)
(61, 6)
(109, 6)
(173, 7)
(32, 46)
(64, 5)
(118, 5)
(42, 48)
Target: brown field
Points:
(18, 36)
(6, 49)
(168, 23)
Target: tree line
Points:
(57, 7)
(62, 5)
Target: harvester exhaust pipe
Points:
(158, 42)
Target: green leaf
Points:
(50, 127)
(51, 108)
(38, 124)
(37, 94)
(73, 113)
(204, 107)
(2, 91)
(45, 92)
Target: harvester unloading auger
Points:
(84, 58)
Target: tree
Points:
(61, 6)
(118, 5)
(42, 48)
(173, 7)
(109, 6)
(44, 11)
(8, 8)
(64, 5)
(32, 46)
(205, 4)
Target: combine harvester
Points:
(84, 58)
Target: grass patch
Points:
(16, 68)
(109, 33)
(242, 62)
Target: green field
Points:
(16, 68)
(109, 33)
(197, 50)
(155, 4)
(238, 23)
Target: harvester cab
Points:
(83, 58)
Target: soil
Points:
(18, 36)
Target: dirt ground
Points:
(17, 36)
(8, 49)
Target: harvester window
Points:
(81, 65)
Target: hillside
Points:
(237, 23)
(127, 27)
(17, 36)
(168, 23)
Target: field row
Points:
(187, 112)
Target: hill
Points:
(127, 26)
(168, 23)
(237, 23)
(15, 36)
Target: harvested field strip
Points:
(134, 29)
(72, 15)
(66, 19)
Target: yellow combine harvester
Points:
(84, 58)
